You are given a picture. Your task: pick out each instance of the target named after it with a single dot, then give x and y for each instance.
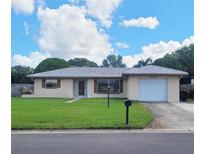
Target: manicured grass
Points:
(84, 113)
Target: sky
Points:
(94, 29)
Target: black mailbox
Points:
(128, 102)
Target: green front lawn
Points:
(84, 113)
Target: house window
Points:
(102, 85)
(51, 83)
(113, 83)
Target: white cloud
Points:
(26, 27)
(32, 60)
(122, 45)
(65, 32)
(156, 50)
(149, 22)
(188, 41)
(41, 3)
(23, 6)
(102, 10)
(74, 1)
(131, 60)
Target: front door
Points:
(81, 88)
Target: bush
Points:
(26, 90)
(191, 94)
(183, 95)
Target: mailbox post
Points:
(127, 104)
(108, 96)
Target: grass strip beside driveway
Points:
(85, 113)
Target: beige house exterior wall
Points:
(172, 87)
(125, 88)
(65, 90)
(130, 89)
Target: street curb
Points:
(101, 131)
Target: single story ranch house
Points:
(148, 83)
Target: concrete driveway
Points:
(172, 115)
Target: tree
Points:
(82, 62)
(19, 73)
(113, 61)
(143, 62)
(182, 59)
(105, 63)
(51, 64)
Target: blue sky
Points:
(131, 28)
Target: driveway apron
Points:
(170, 116)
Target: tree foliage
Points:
(182, 59)
(113, 61)
(105, 63)
(19, 73)
(51, 64)
(82, 62)
(143, 62)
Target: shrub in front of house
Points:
(183, 95)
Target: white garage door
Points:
(153, 90)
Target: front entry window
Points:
(113, 83)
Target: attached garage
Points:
(153, 90)
(153, 83)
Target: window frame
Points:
(108, 80)
(45, 82)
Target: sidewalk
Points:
(100, 131)
(185, 106)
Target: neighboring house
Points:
(148, 83)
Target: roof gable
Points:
(155, 70)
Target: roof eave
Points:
(169, 74)
(73, 77)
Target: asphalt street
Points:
(103, 143)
